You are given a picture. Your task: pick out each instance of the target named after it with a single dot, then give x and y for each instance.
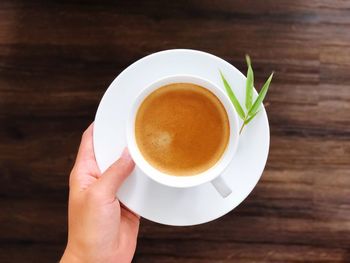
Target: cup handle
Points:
(221, 186)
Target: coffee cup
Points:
(214, 173)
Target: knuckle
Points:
(84, 135)
(124, 164)
(72, 178)
(119, 164)
(93, 195)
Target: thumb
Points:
(114, 176)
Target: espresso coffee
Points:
(182, 129)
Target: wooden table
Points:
(56, 60)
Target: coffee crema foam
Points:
(182, 129)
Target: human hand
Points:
(100, 229)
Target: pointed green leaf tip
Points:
(247, 59)
(249, 84)
(232, 97)
(252, 108)
(260, 97)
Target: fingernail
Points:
(125, 154)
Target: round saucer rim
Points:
(265, 119)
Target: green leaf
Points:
(249, 84)
(260, 97)
(251, 117)
(232, 97)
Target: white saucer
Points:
(158, 203)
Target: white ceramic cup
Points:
(213, 174)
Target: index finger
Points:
(86, 148)
(85, 163)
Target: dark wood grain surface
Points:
(57, 59)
